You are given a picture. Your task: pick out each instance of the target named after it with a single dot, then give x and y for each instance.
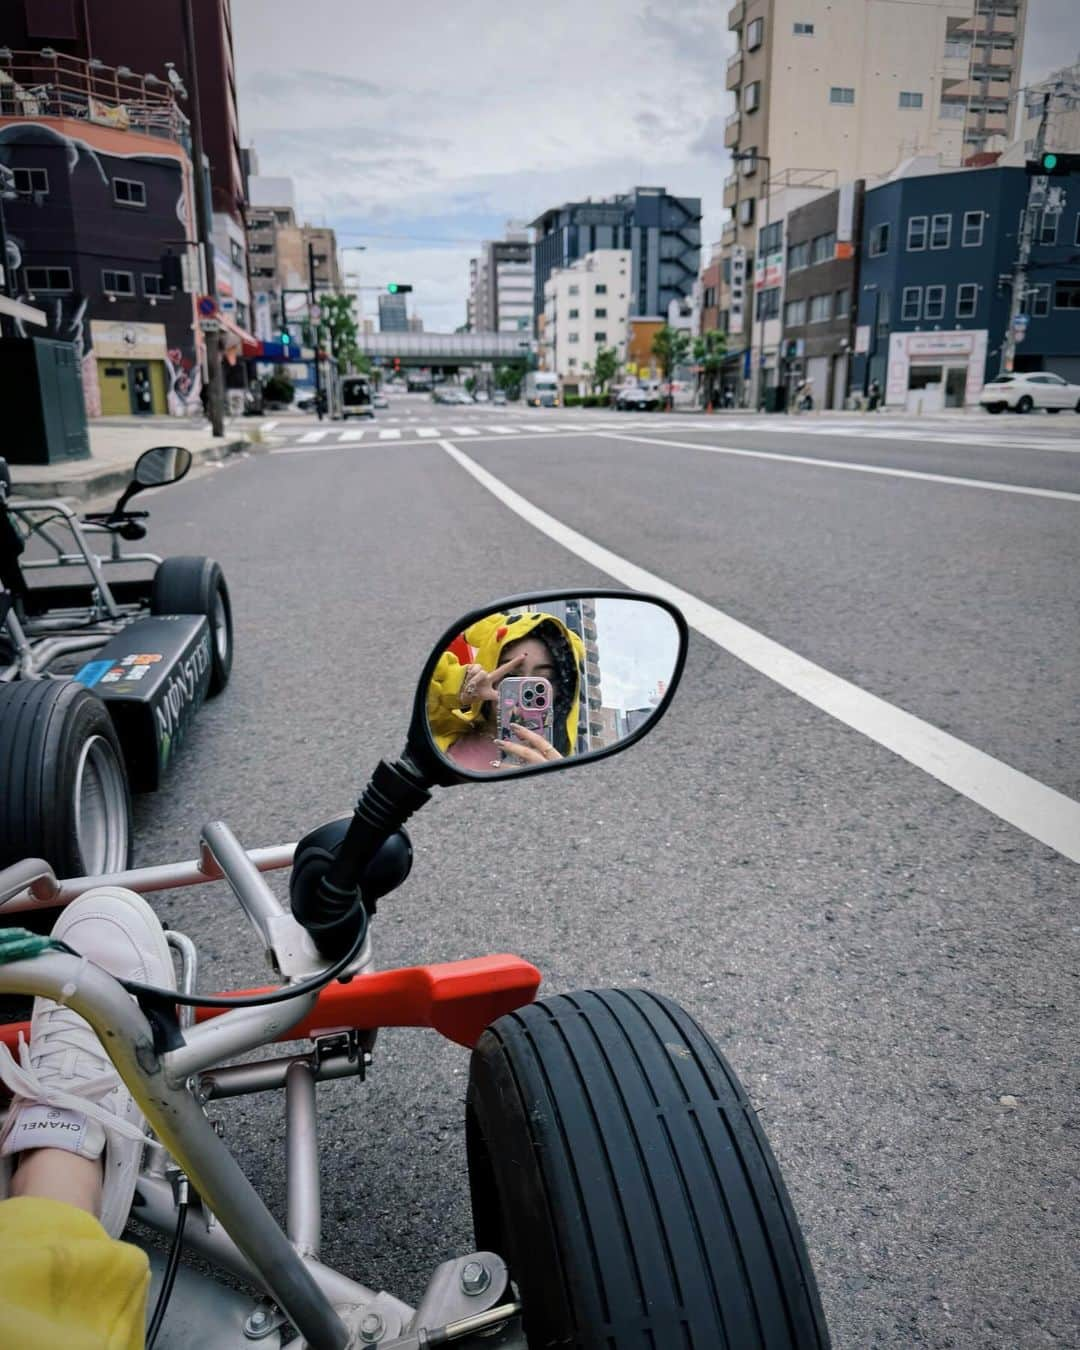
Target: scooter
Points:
(623, 1192)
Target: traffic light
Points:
(1054, 164)
(397, 364)
(397, 287)
(284, 338)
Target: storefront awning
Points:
(237, 341)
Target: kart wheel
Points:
(63, 786)
(197, 586)
(1025, 404)
(618, 1166)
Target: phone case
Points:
(526, 700)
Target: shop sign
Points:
(771, 274)
(862, 339)
(128, 341)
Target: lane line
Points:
(1039, 811)
(427, 431)
(915, 433)
(947, 479)
(311, 437)
(390, 435)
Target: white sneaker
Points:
(67, 1094)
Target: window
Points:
(916, 234)
(952, 111)
(755, 34)
(934, 305)
(941, 231)
(1067, 294)
(236, 253)
(823, 248)
(909, 99)
(746, 211)
(1076, 237)
(572, 314)
(842, 307)
(601, 288)
(795, 313)
(599, 313)
(911, 304)
(153, 284)
(1048, 229)
(839, 94)
(28, 181)
(803, 29)
(748, 164)
(972, 235)
(967, 299)
(600, 338)
(573, 337)
(571, 290)
(768, 303)
(751, 96)
(129, 192)
(879, 240)
(117, 283)
(1036, 302)
(957, 51)
(771, 237)
(883, 319)
(798, 256)
(47, 278)
(820, 308)
(572, 361)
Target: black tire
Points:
(197, 586)
(1025, 404)
(1052, 412)
(617, 1165)
(64, 790)
(994, 407)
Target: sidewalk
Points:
(115, 445)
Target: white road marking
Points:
(389, 435)
(268, 426)
(353, 434)
(310, 437)
(504, 431)
(465, 431)
(948, 479)
(916, 432)
(1039, 811)
(428, 431)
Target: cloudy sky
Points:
(422, 129)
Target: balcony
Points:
(734, 72)
(727, 235)
(731, 130)
(995, 122)
(1003, 58)
(736, 14)
(47, 83)
(731, 190)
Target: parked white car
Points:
(1035, 389)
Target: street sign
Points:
(862, 339)
(209, 326)
(207, 307)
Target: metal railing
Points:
(48, 83)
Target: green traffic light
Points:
(392, 288)
(1049, 161)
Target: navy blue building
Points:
(662, 233)
(937, 259)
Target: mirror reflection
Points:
(163, 464)
(540, 684)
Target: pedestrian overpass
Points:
(444, 349)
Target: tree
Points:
(607, 363)
(508, 379)
(671, 347)
(709, 352)
(338, 322)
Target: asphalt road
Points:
(891, 967)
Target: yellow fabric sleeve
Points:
(64, 1283)
(446, 717)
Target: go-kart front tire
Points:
(63, 786)
(197, 586)
(617, 1165)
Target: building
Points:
(104, 196)
(393, 317)
(501, 284)
(587, 307)
(821, 280)
(280, 260)
(829, 94)
(150, 38)
(662, 233)
(710, 315)
(938, 252)
(1063, 122)
(416, 323)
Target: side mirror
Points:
(158, 467)
(545, 681)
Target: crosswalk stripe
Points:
(310, 437)
(390, 435)
(504, 431)
(353, 434)
(465, 431)
(427, 431)
(269, 426)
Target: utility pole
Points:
(315, 332)
(1036, 201)
(203, 218)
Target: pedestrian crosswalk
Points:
(330, 436)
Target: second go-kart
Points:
(101, 671)
(623, 1193)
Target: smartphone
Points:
(527, 701)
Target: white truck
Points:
(541, 389)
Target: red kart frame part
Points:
(457, 998)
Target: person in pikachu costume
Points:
(461, 695)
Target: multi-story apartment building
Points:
(104, 195)
(587, 307)
(938, 252)
(662, 233)
(280, 259)
(393, 317)
(830, 91)
(501, 284)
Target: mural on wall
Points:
(185, 384)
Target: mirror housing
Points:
(157, 467)
(434, 767)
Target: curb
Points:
(114, 477)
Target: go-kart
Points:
(101, 672)
(624, 1195)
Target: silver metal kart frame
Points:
(34, 648)
(467, 1301)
